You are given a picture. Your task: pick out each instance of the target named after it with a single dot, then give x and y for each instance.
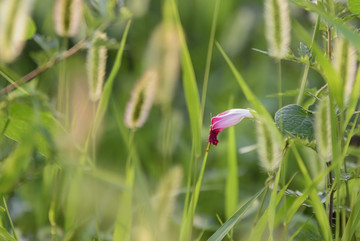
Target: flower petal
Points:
(224, 120)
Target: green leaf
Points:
(14, 166)
(18, 118)
(354, 6)
(295, 121)
(31, 28)
(5, 236)
(229, 224)
(190, 86)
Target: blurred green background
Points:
(239, 30)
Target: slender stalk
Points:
(10, 221)
(279, 84)
(331, 200)
(307, 66)
(261, 205)
(62, 85)
(39, 70)
(329, 42)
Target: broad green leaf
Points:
(295, 121)
(230, 223)
(354, 6)
(15, 165)
(18, 118)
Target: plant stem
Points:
(10, 221)
(307, 66)
(279, 84)
(329, 42)
(68, 53)
(331, 201)
(261, 205)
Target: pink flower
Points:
(224, 120)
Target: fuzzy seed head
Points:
(323, 130)
(96, 65)
(269, 145)
(345, 63)
(14, 15)
(277, 27)
(67, 16)
(163, 53)
(141, 100)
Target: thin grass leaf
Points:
(258, 230)
(330, 74)
(190, 87)
(232, 186)
(244, 87)
(230, 223)
(346, 31)
(4, 235)
(209, 56)
(272, 206)
(317, 205)
(353, 221)
(353, 100)
(104, 100)
(122, 231)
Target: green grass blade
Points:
(272, 205)
(329, 73)
(230, 223)
(208, 57)
(258, 230)
(347, 32)
(244, 87)
(105, 97)
(353, 222)
(318, 207)
(123, 223)
(231, 188)
(190, 87)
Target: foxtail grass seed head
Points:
(345, 63)
(96, 65)
(14, 16)
(163, 53)
(68, 17)
(164, 202)
(269, 145)
(277, 27)
(142, 96)
(323, 130)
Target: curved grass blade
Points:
(229, 224)
(104, 100)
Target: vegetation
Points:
(110, 127)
